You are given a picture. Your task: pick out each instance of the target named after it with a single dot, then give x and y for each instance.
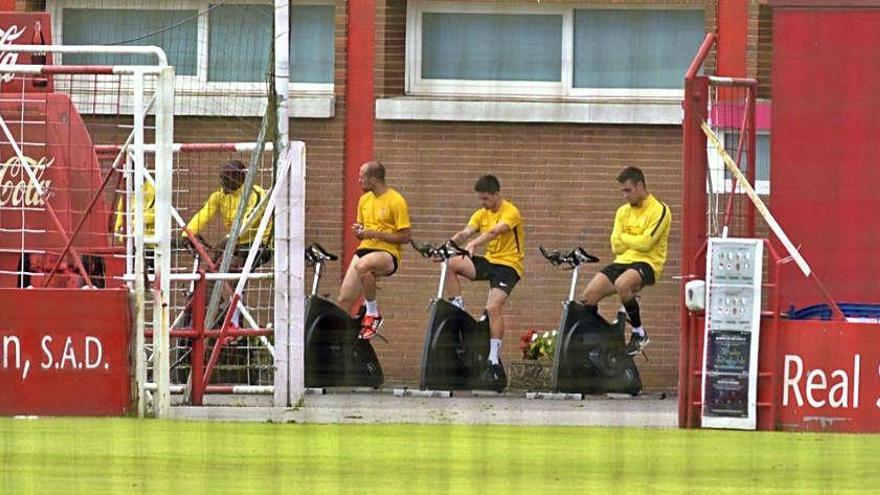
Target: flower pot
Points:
(531, 375)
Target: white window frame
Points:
(310, 100)
(717, 169)
(415, 85)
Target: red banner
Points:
(64, 352)
(25, 28)
(814, 375)
(829, 376)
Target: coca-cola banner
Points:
(58, 168)
(64, 352)
(20, 28)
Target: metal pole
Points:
(138, 220)
(164, 159)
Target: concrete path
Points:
(654, 410)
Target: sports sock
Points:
(372, 308)
(458, 301)
(494, 350)
(632, 312)
(639, 331)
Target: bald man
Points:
(382, 227)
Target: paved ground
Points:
(650, 410)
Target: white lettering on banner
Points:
(11, 348)
(90, 348)
(16, 187)
(93, 354)
(817, 383)
(92, 361)
(7, 350)
(7, 36)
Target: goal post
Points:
(150, 202)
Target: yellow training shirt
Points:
(387, 213)
(149, 212)
(226, 204)
(507, 249)
(641, 233)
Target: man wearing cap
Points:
(224, 201)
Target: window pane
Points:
(635, 48)
(762, 159)
(172, 30)
(238, 42)
(312, 43)
(515, 47)
(241, 36)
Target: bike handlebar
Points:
(442, 251)
(576, 257)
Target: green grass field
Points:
(149, 456)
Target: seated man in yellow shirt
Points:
(639, 240)
(124, 217)
(382, 226)
(499, 226)
(224, 201)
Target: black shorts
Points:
(645, 270)
(499, 276)
(264, 254)
(360, 253)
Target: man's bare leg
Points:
(350, 289)
(494, 308)
(458, 265)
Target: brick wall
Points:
(764, 49)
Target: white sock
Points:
(494, 349)
(458, 301)
(236, 318)
(372, 308)
(639, 331)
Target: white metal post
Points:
(164, 160)
(297, 182)
(285, 235)
(138, 220)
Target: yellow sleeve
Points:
(360, 212)
(149, 210)
(657, 226)
(511, 217)
(617, 245)
(205, 215)
(120, 216)
(474, 222)
(401, 215)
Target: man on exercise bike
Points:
(499, 226)
(639, 241)
(382, 226)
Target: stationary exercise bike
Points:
(591, 353)
(456, 345)
(334, 354)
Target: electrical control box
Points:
(732, 333)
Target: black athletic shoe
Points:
(494, 378)
(636, 344)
